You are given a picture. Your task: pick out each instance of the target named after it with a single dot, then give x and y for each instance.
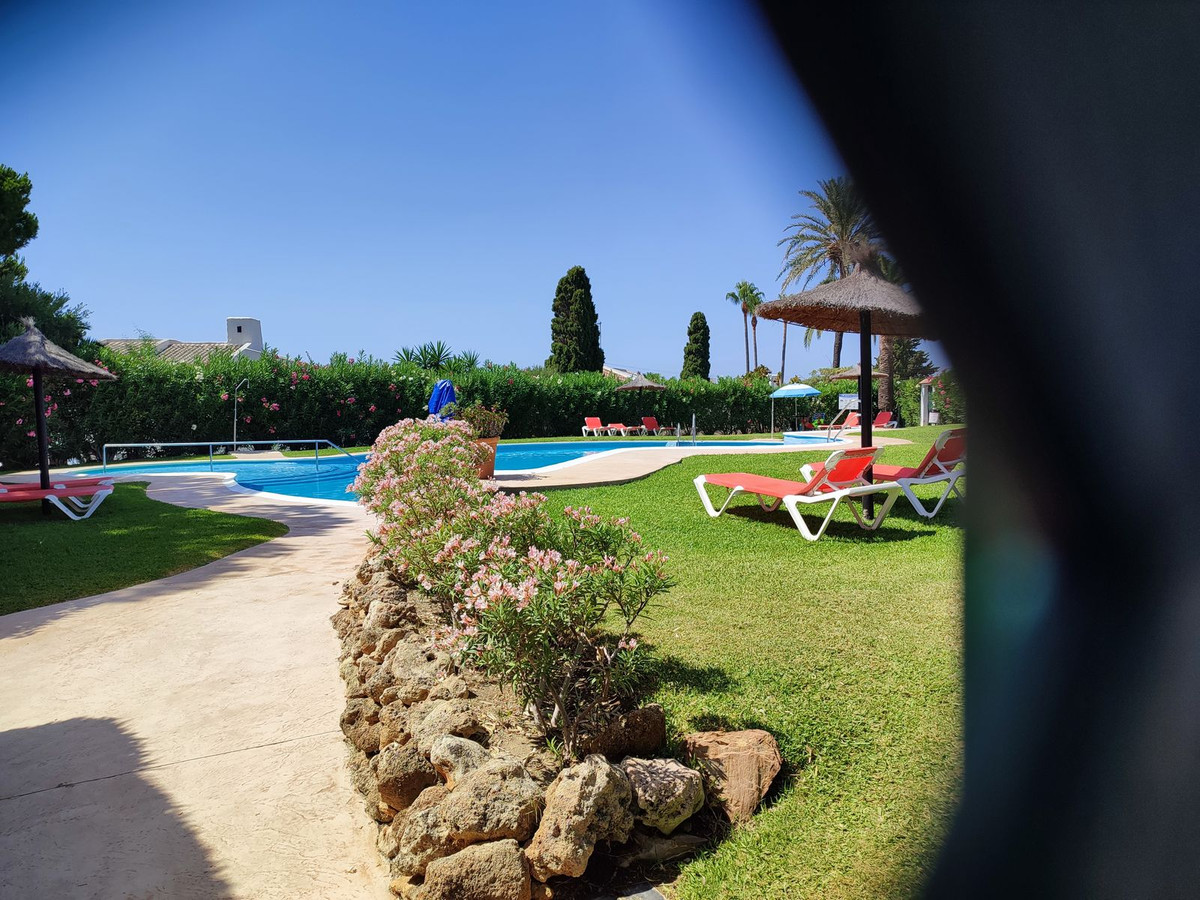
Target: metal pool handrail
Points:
(316, 442)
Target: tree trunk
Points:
(885, 366)
(746, 332)
(837, 349)
(783, 357)
(754, 328)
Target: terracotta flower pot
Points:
(487, 466)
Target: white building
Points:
(243, 338)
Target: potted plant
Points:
(488, 424)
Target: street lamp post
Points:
(245, 381)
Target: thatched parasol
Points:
(32, 352)
(863, 301)
(854, 373)
(639, 383)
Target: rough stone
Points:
(402, 773)
(382, 678)
(665, 791)
(496, 801)
(344, 621)
(453, 757)
(640, 732)
(389, 639)
(438, 717)
(539, 891)
(493, 871)
(740, 766)
(354, 686)
(393, 725)
(452, 687)
(360, 724)
(403, 886)
(388, 840)
(586, 803)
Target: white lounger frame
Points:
(792, 503)
(951, 479)
(85, 507)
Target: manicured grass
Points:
(129, 540)
(848, 650)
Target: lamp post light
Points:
(244, 381)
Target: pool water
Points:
(329, 477)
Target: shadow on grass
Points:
(674, 672)
(838, 529)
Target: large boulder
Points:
(586, 803)
(640, 732)
(360, 724)
(402, 773)
(431, 720)
(493, 871)
(665, 791)
(453, 757)
(740, 766)
(498, 800)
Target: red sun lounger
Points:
(945, 463)
(841, 477)
(83, 498)
(650, 426)
(592, 426)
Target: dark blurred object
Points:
(1036, 170)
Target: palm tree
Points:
(746, 297)
(821, 239)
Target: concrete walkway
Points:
(630, 464)
(180, 739)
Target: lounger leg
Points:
(793, 504)
(952, 486)
(85, 511)
(879, 516)
(704, 498)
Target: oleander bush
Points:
(547, 603)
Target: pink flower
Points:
(79, 381)
(30, 434)
(305, 376)
(20, 421)
(93, 382)
(224, 396)
(247, 420)
(271, 429)
(350, 399)
(371, 408)
(28, 382)
(67, 392)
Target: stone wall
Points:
(469, 803)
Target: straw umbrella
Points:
(863, 301)
(32, 352)
(639, 383)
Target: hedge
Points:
(350, 401)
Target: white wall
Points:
(243, 330)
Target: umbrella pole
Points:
(864, 398)
(39, 414)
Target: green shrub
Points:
(546, 603)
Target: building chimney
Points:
(241, 331)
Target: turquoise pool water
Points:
(328, 478)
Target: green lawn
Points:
(848, 650)
(129, 540)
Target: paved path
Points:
(630, 464)
(179, 739)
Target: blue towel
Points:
(443, 394)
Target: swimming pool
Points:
(328, 478)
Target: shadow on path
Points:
(116, 835)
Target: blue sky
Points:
(368, 175)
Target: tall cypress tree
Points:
(695, 354)
(575, 327)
